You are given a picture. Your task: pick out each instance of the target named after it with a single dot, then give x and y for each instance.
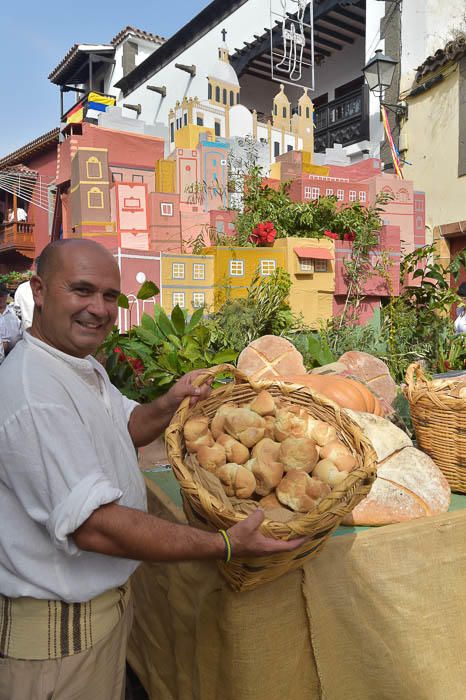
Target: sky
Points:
(35, 37)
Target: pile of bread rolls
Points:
(271, 451)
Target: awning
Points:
(314, 253)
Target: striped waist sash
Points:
(51, 629)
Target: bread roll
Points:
(236, 480)
(270, 356)
(218, 420)
(339, 454)
(269, 427)
(298, 453)
(327, 471)
(270, 501)
(293, 422)
(263, 404)
(300, 492)
(235, 451)
(408, 485)
(211, 458)
(245, 425)
(322, 432)
(266, 467)
(194, 428)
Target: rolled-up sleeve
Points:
(55, 473)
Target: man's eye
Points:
(81, 290)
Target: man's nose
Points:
(97, 305)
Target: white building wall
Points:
(375, 12)
(427, 25)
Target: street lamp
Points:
(378, 72)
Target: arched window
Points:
(284, 112)
(299, 111)
(237, 98)
(217, 94)
(225, 97)
(232, 98)
(308, 112)
(275, 110)
(210, 90)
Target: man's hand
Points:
(148, 421)
(184, 387)
(247, 540)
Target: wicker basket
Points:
(439, 422)
(205, 510)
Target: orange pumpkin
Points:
(347, 393)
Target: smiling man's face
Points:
(76, 300)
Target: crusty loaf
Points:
(409, 485)
(270, 356)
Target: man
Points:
(72, 499)
(24, 304)
(10, 331)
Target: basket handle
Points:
(212, 372)
(415, 375)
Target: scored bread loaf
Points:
(270, 356)
(409, 485)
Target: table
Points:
(380, 614)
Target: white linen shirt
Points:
(65, 450)
(10, 329)
(24, 302)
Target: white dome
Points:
(223, 72)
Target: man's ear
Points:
(37, 287)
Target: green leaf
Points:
(148, 337)
(148, 323)
(224, 356)
(175, 340)
(123, 301)
(164, 324)
(195, 319)
(147, 290)
(178, 320)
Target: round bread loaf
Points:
(269, 357)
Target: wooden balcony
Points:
(344, 121)
(19, 236)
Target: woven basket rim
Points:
(419, 388)
(339, 496)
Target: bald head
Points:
(55, 254)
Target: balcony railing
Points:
(344, 121)
(17, 235)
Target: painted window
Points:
(352, 195)
(306, 265)
(217, 94)
(199, 271)
(307, 192)
(289, 147)
(320, 265)
(267, 267)
(237, 98)
(329, 192)
(95, 198)
(308, 113)
(311, 192)
(166, 208)
(172, 131)
(200, 121)
(419, 222)
(178, 271)
(340, 195)
(217, 128)
(284, 112)
(178, 298)
(362, 196)
(236, 268)
(220, 226)
(210, 91)
(137, 178)
(93, 168)
(403, 195)
(419, 205)
(185, 119)
(276, 148)
(117, 177)
(198, 300)
(225, 96)
(275, 110)
(232, 98)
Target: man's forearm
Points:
(124, 532)
(148, 421)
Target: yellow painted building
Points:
(311, 266)
(186, 280)
(235, 267)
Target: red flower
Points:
(137, 364)
(330, 234)
(349, 236)
(264, 232)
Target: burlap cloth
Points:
(378, 615)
